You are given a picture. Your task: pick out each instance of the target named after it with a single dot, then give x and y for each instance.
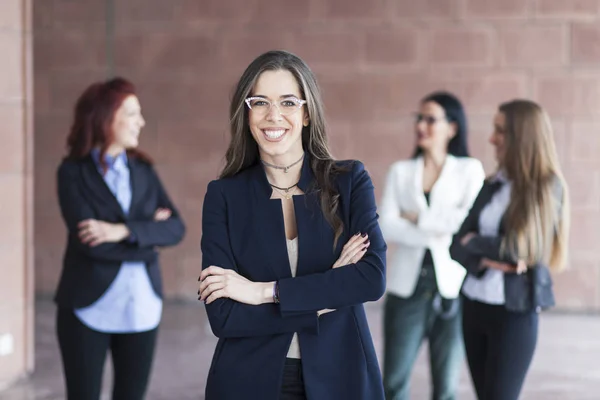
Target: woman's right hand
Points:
(162, 214)
(352, 252)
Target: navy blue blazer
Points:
(83, 194)
(243, 230)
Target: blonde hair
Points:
(537, 219)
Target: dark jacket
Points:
(531, 291)
(83, 194)
(243, 230)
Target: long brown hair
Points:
(537, 219)
(93, 117)
(243, 149)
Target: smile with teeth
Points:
(274, 134)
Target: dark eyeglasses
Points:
(428, 119)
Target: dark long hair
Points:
(243, 149)
(93, 117)
(455, 113)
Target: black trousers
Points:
(84, 350)
(499, 345)
(292, 387)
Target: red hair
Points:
(94, 114)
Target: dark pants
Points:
(499, 346)
(407, 322)
(292, 387)
(83, 352)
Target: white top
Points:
(450, 200)
(490, 287)
(292, 248)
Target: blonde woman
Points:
(516, 232)
(425, 201)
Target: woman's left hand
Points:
(217, 282)
(94, 232)
(518, 269)
(412, 217)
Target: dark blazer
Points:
(83, 194)
(243, 230)
(531, 291)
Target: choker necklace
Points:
(285, 192)
(285, 169)
(287, 189)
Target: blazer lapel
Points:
(269, 217)
(418, 184)
(487, 192)
(444, 181)
(315, 235)
(95, 181)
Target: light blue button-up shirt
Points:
(129, 304)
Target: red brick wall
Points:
(375, 60)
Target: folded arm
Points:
(227, 317)
(75, 209)
(351, 284)
(395, 228)
(166, 232)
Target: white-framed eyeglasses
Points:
(286, 106)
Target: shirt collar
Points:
(112, 162)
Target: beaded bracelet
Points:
(276, 292)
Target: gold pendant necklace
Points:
(287, 194)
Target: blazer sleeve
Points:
(229, 318)
(158, 233)
(395, 228)
(351, 284)
(441, 219)
(75, 208)
(458, 252)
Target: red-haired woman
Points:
(117, 214)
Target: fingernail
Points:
(363, 235)
(364, 248)
(199, 278)
(357, 233)
(198, 291)
(199, 298)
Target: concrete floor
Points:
(566, 365)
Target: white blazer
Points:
(450, 199)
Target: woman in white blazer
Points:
(424, 203)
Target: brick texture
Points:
(560, 9)
(375, 60)
(585, 42)
(497, 9)
(468, 46)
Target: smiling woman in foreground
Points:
(291, 249)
